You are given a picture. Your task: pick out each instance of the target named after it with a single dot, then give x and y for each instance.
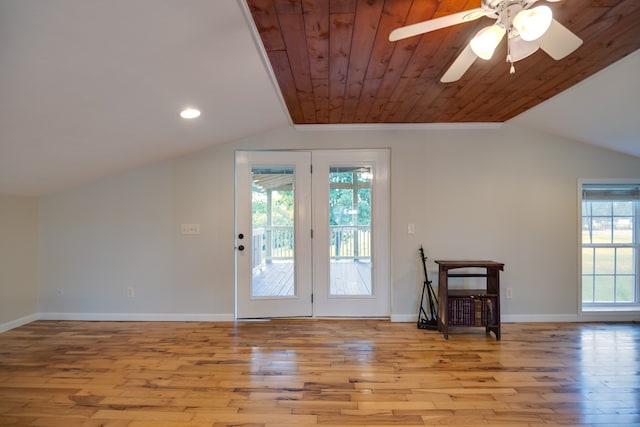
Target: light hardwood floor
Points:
(288, 373)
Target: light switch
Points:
(411, 228)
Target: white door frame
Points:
(312, 271)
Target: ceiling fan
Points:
(527, 30)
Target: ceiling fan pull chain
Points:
(512, 70)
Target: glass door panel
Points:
(350, 230)
(273, 235)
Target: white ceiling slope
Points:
(603, 110)
(89, 88)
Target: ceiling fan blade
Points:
(460, 65)
(558, 41)
(435, 24)
(520, 49)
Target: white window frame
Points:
(613, 307)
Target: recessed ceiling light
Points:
(190, 113)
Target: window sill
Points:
(612, 309)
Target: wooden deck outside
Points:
(350, 278)
(273, 279)
(347, 278)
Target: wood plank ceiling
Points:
(334, 63)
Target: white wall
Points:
(507, 194)
(124, 231)
(18, 260)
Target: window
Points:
(610, 246)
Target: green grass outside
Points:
(610, 278)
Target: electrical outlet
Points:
(190, 229)
(509, 293)
(131, 292)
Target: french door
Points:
(273, 234)
(312, 244)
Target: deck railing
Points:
(348, 241)
(276, 243)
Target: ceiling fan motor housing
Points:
(505, 11)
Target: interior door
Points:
(273, 234)
(351, 233)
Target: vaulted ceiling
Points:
(334, 63)
(90, 89)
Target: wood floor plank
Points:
(286, 373)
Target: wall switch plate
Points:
(411, 228)
(190, 229)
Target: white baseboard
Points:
(404, 318)
(4, 327)
(139, 317)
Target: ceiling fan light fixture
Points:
(486, 40)
(533, 23)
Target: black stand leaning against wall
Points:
(427, 320)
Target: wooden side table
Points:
(469, 307)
